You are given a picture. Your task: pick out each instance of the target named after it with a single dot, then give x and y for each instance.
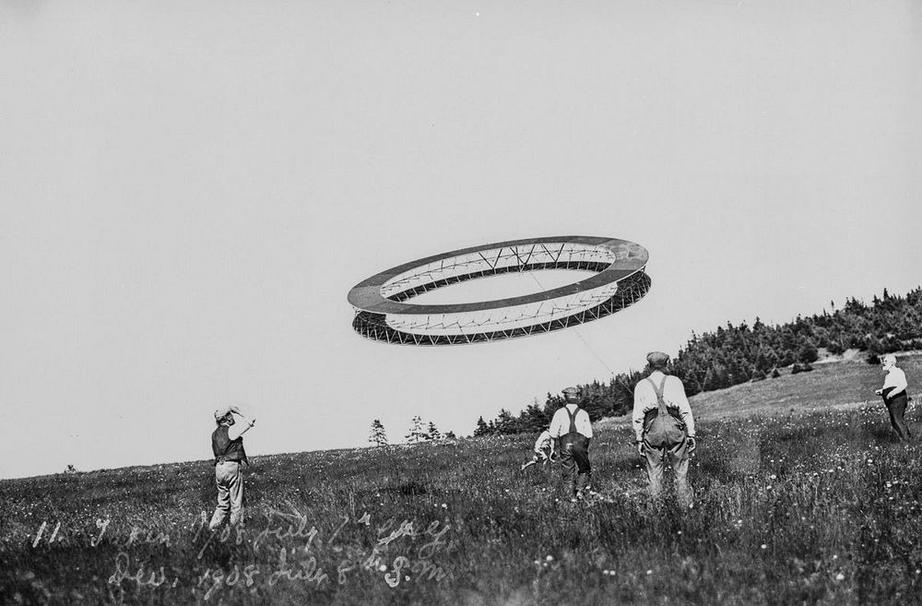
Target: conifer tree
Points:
(433, 432)
(417, 432)
(378, 435)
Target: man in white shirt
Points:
(227, 446)
(544, 450)
(894, 394)
(646, 408)
(572, 429)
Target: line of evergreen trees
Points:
(737, 354)
(419, 432)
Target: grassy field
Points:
(802, 497)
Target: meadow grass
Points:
(794, 508)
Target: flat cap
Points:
(657, 358)
(570, 391)
(221, 412)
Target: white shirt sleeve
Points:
(240, 427)
(640, 405)
(559, 423)
(583, 424)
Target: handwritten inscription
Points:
(217, 579)
(290, 548)
(141, 577)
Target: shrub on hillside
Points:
(807, 353)
(800, 367)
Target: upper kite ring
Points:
(382, 311)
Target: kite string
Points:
(576, 330)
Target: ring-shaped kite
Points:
(382, 312)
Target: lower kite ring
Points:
(383, 313)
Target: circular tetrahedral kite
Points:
(383, 311)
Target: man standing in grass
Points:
(894, 394)
(227, 445)
(664, 428)
(572, 429)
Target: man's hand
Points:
(640, 448)
(878, 391)
(691, 444)
(252, 422)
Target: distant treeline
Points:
(737, 354)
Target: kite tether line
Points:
(578, 334)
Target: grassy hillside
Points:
(835, 383)
(794, 505)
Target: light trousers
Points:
(678, 459)
(230, 493)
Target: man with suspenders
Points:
(664, 427)
(572, 429)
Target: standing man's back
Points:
(664, 427)
(572, 427)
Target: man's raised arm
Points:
(242, 425)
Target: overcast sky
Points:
(188, 190)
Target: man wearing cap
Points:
(646, 408)
(894, 394)
(572, 429)
(227, 445)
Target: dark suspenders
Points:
(572, 418)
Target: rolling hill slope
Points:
(838, 383)
(802, 497)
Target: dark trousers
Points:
(574, 455)
(896, 406)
